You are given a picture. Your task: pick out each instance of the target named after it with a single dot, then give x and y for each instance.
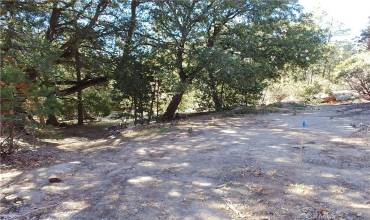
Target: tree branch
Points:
(83, 85)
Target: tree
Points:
(258, 37)
(365, 36)
(178, 24)
(78, 35)
(355, 71)
(79, 59)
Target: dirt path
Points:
(248, 167)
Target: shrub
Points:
(310, 90)
(355, 72)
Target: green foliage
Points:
(135, 79)
(231, 50)
(288, 89)
(355, 71)
(365, 35)
(139, 57)
(310, 90)
(98, 102)
(12, 74)
(25, 62)
(248, 55)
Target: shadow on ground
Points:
(243, 167)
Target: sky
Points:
(353, 14)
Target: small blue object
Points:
(304, 124)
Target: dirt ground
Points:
(263, 166)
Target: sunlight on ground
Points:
(174, 193)
(55, 188)
(9, 175)
(141, 151)
(350, 141)
(240, 169)
(68, 209)
(228, 131)
(75, 205)
(146, 164)
(141, 180)
(201, 183)
(327, 175)
(283, 160)
(301, 189)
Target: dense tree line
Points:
(80, 59)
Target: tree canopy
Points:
(79, 59)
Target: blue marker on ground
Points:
(304, 124)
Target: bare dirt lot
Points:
(263, 166)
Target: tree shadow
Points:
(240, 168)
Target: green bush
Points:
(355, 72)
(310, 90)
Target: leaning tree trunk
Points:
(172, 107)
(169, 114)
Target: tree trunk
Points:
(52, 120)
(131, 27)
(169, 114)
(222, 94)
(135, 111)
(42, 121)
(151, 110)
(215, 97)
(172, 107)
(216, 100)
(141, 112)
(158, 94)
(80, 112)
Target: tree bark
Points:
(53, 22)
(212, 80)
(151, 111)
(68, 47)
(52, 120)
(127, 41)
(83, 85)
(132, 26)
(172, 107)
(157, 96)
(217, 101)
(215, 97)
(80, 111)
(213, 31)
(169, 114)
